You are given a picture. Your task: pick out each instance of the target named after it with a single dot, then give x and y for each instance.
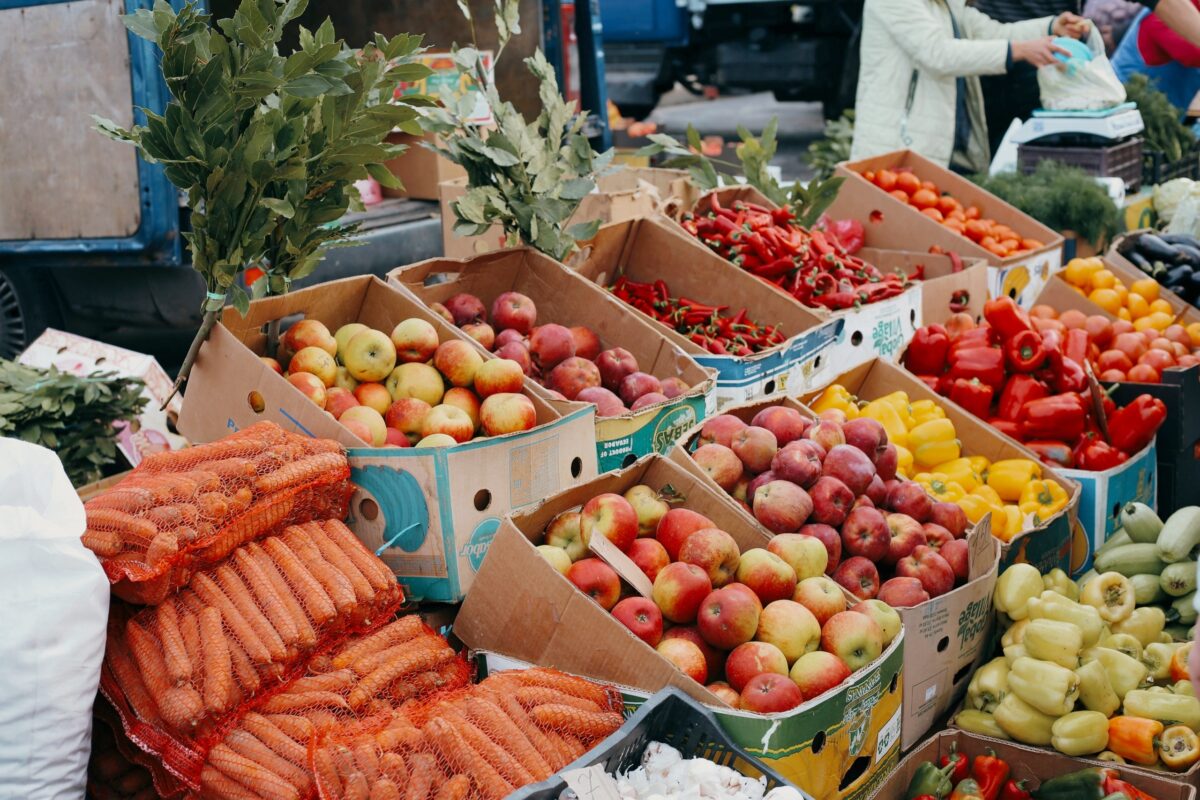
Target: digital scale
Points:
(1114, 124)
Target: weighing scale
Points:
(1114, 124)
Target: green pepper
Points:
(988, 685)
(928, 779)
(967, 789)
(1086, 784)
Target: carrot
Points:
(166, 518)
(247, 676)
(266, 597)
(240, 500)
(189, 629)
(567, 684)
(163, 547)
(394, 768)
(528, 728)
(336, 584)
(502, 729)
(571, 720)
(457, 788)
(129, 679)
(236, 468)
(149, 658)
(232, 587)
(400, 734)
(297, 728)
(484, 745)
(287, 702)
(216, 784)
(370, 565)
(424, 774)
(337, 681)
(253, 776)
(451, 675)
(329, 784)
(208, 591)
(129, 527)
(218, 668)
(459, 755)
(342, 563)
(182, 708)
(384, 790)
(368, 664)
(179, 664)
(305, 587)
(270, 734)
(246, 744)
(393, 633)
(261, 518)
(306, 637)
(300, 472)
(367, 759)
(213, 505)
(104, 544)
(122, 497)
(357, 787)
(418, 660)
(530, 696)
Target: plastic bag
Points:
(1085, 84)
(53, 612)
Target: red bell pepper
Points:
(1056, 417)
(1053, 452)
(1009, 427)
(1114, 785)
(1066, 374)
(1093, 453)
(1075, 345)
(991, 772)
(1006, 316)
(1015, 790)
(1132, 427)
(973, 395)
(961, 763)
(930, 380)
(967, 340)
(984, 363)
(926, 354)
(1024, 352)
(1052, 342)
(1019, 390)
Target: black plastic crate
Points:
(1121, 160)
(1177, 482)
(669, 716)
(1157, 169)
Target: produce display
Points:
(1013, 490)
(812, 267)
(406, 389)
(665, 773)
(1029, 382)
(1172, 259)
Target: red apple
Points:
(649, 555)
(686, 657)
(849, 465)
(805, 554)
(826, 433)
(957, 554)
(833, 415)
(309, 333)
(587, 343)
(867, 434)
(767, 575)
(315, 361)
(676, 526)
(720, 430)
(397, 438)
(884, 615)
(647, 400)
(755, 447)
(337, 400)
(407, 415)
(787, 424)
(614, 365)
(854, 638)
(789, 626)
(369, 417)
(465, 308)
(719, 463)
(714, 659)
(817, 672)
(642, 617)
(313, 388)
(450, 420)
(780, 506)
(751, 659)
(442, 312)
(597, 580)
(465, 399)
(369, 356)
(565, 531)
(360, 429)
(936, 536)
(886, 462)
(649, 506)
(514, 311)
(714, 551)
(272, 364)
(727, 619)
(757, 482)
(929, 568)
(877, 491)
(636, 384)
(482, 333)
(951, 517)
(829, 537)
(374, 395)
(902, 592)
(421, 381)
(509, 336)
(865, 533)
(549, 346)
(862, 501)
(415, 340)
(820, 595)
(831, 501)
(797, 463)
(572, 376)
(607, 404)
(679, 589)
(725, 692)
(507, 413)
(858, 576)
(457, 361)
(904, 536)
(609, 515)
(498, 375)
(518, 352)
(909, 497)
(673, 387)
(770, 693)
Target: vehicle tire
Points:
(29, 304)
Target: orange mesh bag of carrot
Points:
(116, 770)
(183, 510)
(478, 743)
(180, 673)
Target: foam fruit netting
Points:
(181, 672)
(183, 510)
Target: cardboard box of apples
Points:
(798, 478)
(578, 343)
(814, 675)
(443, 440)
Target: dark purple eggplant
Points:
(1155, 249)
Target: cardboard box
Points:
(428, 513)
(628, 193)
(646, 250)
(1031, 764)
(943, 292)
(835, 746)
(78, 355)
(1124, 269)
(956, 626)
(96, 488)
(566, 298)
(891, 224)
(420, 169)
(1103, 495)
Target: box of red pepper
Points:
(759, 341)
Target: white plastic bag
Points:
(53, 615)
(1085, 84)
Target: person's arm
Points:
(1169, 44)
(978, 25)
(1180, 16)
(920, 35)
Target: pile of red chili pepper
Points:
(1032, 386)
(705, 325)
(809, 265)
(989, 777)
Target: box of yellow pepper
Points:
(958, 460)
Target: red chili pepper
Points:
(990, 771)
(962, 764)
(1018, 391)
(1132, 427)
(926, 353)
(1007, 426)
(984, 363)
(1053, 452)
(1093, 453)
(1024, 351)
(973, 395)
(1015, 790)
(1006, 316)
(1075, 345)
(1057, 417)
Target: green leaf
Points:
(279, 206)
(141, 23)
(583, 231)
(385, 176)
(239, 299)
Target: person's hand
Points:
(1071, 25)
(1038, 52)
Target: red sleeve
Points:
(1160, 45)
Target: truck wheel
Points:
(28, 305)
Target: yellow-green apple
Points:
(499, 375)
(797, 461)
(789, 626)
(415, 340)
(817, 672)
(361, 429)
(756, 447)
(951, 517)
(407, 415)
(753, 658)
(642, 618)
(636, 384)
(337, 400)
(673, 387)
(686, 657)
(649, 556)
(416, 380)
(310, 386)
(854, 638)
(442, 312)
(787, 424)
(850, 466)
(457, 361)
(649, 506)
(397, 438)
(597, 580)
(679, 589)
(805, 554)
(436, 440)
(464, 308)
(828, 537)
(556, 557)
(887, 618)
(482, 333)
(957, 555)
(315, 361)
(826, 433)
(372, 419)
(780, 506)
(725, 692)
(345, 380)
(272, 364)
(647, 400)
(614, 365)
(719, 463)
(571, 376)
(904, 535)
(564, 531)
(609, 515)
(375, 395)
(450, 420)
(720, 430)
(370, 355)
(518, 352)
(465, 399)
(507, 413)
(344, 334)
(676, 526)
(727, 619)
(714, 551)
(514, 311)
(865, 533)
(769, 693)
(926, 565)
(909, 497)
(550, 345)
(587, 343)
(607, 404)
(831, 501)
(714, 659)
(767, 575)
(859, 576)
(309, 333)
(820, 595)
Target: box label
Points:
(617, 446)
(1024, 281)
(879, 330)
(787, 370)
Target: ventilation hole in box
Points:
(943, 643)
(1013, 293)
(256, 402)
(817, 362)
(895, 682)
(628, 460)
(483, 499)
(912, 316)
(576, 466)
(855, 772)
(962, 673)
(769, 388)
(368, 509)
(1116, 512)
(856, 338)
(818, 742)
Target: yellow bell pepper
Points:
(1015, 633)
(980, 464)
(1050, 688)
(961, 472)
(988, 685)
(1111, 594)
(1023, 722)
(1157, 658)
(904, 460)
(976, 508)
(1080, 733)
(1015, 587)
(1010, 522)
(1053, 606)
(1058, 581)
(1184, 687)
(1145, 624)
(1165, 707)
(1095, 690)
(1054, 641)
(925, 410)
(940, 488)
(1013, 652)
(1123, 643)
(1111, 757)
(886, 415)
(1178, 747)
(1010, 476)
(1043, 499)
(989, 494)
(899, 401)
(1124, 673)
(980, 722)
(836, 397)
(934, 442)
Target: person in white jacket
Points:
(918, 85)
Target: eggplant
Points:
(1139, 261)
(1177, 277)
(1158, 271)
(1189, 255)
(1180, 238)
(1155, 248)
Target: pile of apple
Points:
(405, 389)
(836, 482)
(764, 630)
(567, 361)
